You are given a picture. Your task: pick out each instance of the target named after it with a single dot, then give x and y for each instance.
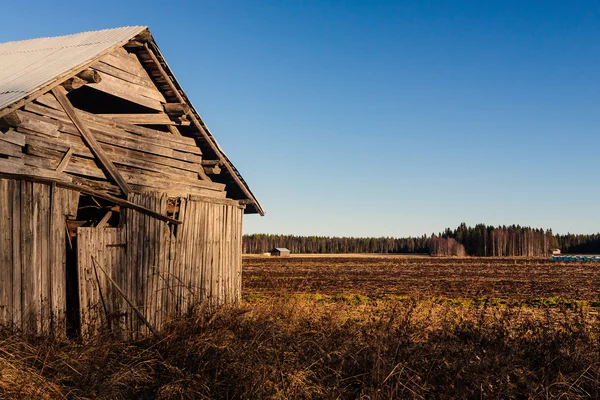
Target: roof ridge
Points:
(76, 33)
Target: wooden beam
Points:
(176, 109)
(60, 94)
(90, 76)
(140, 119)
(14, 137)
(11, 120)
(183, 120)
(210, 163)
(174, 130)
(74, 83)
(18, 170)
(65, 160)
(212, 169)
(202, 175)
(104, 220)
(15, 171)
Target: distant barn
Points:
(116, 202)
(280, 252)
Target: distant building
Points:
(280, 252)
(555, 252)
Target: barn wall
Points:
(165, 270)
(33, 255)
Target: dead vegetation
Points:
(304, 349)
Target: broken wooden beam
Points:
(74, 83)
(60, 94)
(176, 109)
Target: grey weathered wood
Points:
(90, 140)
(133, 307)
(142, 95)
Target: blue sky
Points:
(383, 118)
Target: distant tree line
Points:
(480, 240)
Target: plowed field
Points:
(421, 277)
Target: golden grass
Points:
(302, 348)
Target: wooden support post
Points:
(60, 94)
(65, 160)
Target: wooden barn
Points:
(117, 205)
(280, 252)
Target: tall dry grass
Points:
(303, 349)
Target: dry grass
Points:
(303, 349)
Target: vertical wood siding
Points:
(164, 270)
(33, 255)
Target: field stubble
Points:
(299, 335)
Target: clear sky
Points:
(364, 118)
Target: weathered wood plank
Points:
(142, 95)
(127, 62)
(10, 149)
(16, 170)
(43, 273)
(38, 123)
(48, 105)
(90, 140)
(108, 69)
(141, 119)
(17, 271)
(6, 262)
(12, 136)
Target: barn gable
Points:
(117, 205)
(120, 85)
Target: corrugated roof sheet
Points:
(27, 65)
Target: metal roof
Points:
(27, 65)
(280, 249)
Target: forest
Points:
(481, 240)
